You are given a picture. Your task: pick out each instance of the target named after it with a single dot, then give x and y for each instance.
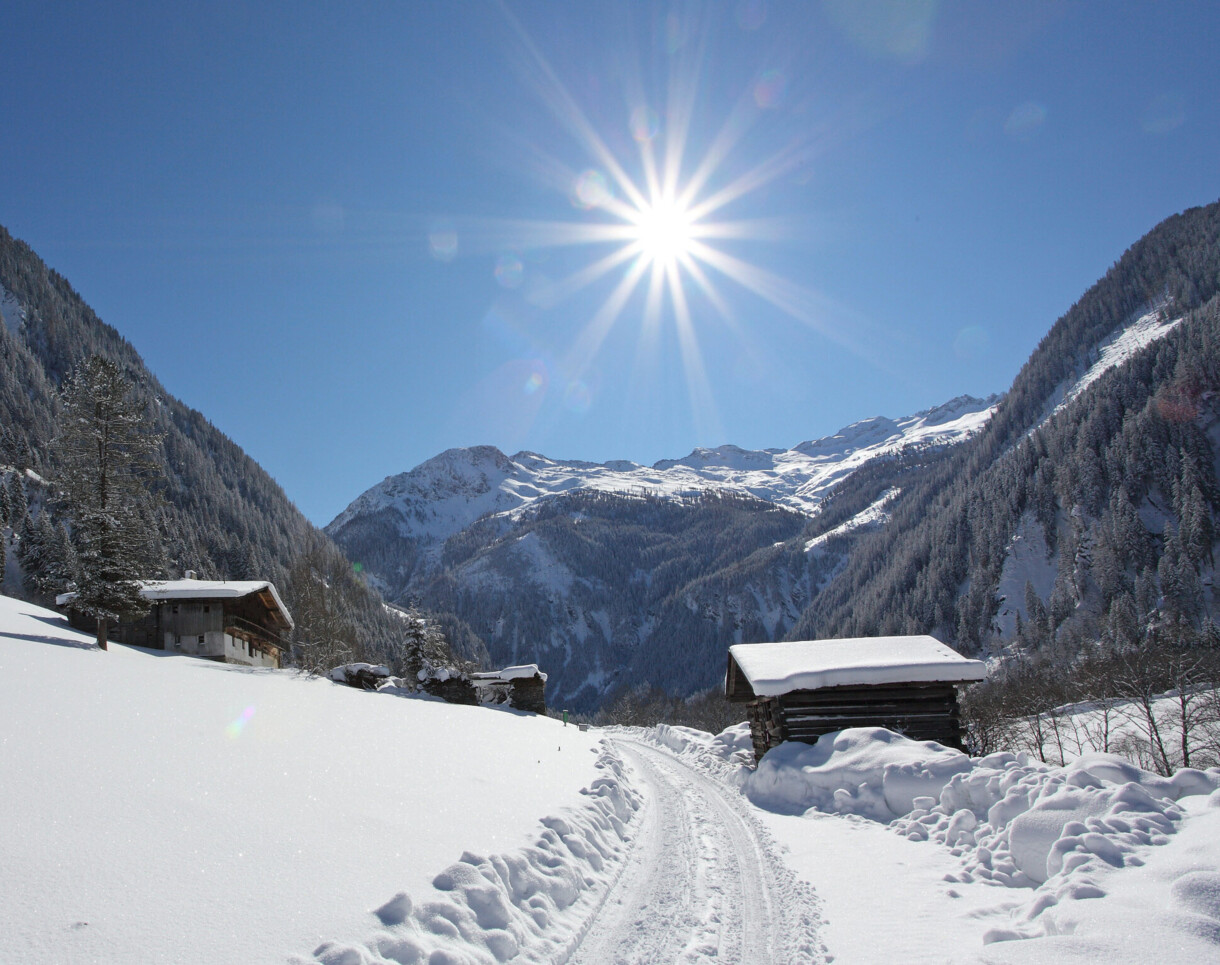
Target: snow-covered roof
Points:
(200, 590)
(779, 668)
(511, 673)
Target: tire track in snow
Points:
(703, 881)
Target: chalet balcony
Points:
(250, 631)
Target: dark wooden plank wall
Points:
(920, 711)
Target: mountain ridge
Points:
(795, 477)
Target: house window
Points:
(201, 639)
(174, 608)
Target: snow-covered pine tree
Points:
(423, 648)
(4, 518)
(103, 456)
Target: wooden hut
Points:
(801, 690)
(523, 688)
(232, 621)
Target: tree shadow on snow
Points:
(54, 641)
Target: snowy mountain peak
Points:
(448, 492)
(949, 422)
(726, 456)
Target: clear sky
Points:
(357, 234)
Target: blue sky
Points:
(340, 230)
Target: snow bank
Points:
(347, 671)
(1010, 820)
(732, 747)
(524, 671)
(864, 770)
(527, 904)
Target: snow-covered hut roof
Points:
(205, 590)
(771, 669)
(511, 673)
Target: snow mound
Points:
(732, 746)
(1010, 820)
(528, 903)
(863, 770)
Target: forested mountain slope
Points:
(221, 514)
(225, 516)
(1067, 523)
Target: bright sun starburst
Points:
(665, 228)
(664, 231)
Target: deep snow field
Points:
(158, 808)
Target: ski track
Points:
(703, 881)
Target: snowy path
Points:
(703, 881)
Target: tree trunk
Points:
(102, 628)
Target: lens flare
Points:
(234, 729)
(443, 242)
(769, 90)
(1025, 120)
(644, 124)
(590, 190)
(509, 270)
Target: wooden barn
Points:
(523, 688)
(801, 690)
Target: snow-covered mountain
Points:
(447, 493)
(614, 571)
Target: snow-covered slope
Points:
(449, 492)
(1146, 327)
(159, 808)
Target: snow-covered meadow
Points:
(160, 808)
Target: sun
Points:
(662, 195)
(664, 231)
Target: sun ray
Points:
(703, 403)
(566, 110)
(555, 292)
(733, 129)
(710, 292)
(813, 311)
(757, 177)
(683, 86)
(589, 342)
